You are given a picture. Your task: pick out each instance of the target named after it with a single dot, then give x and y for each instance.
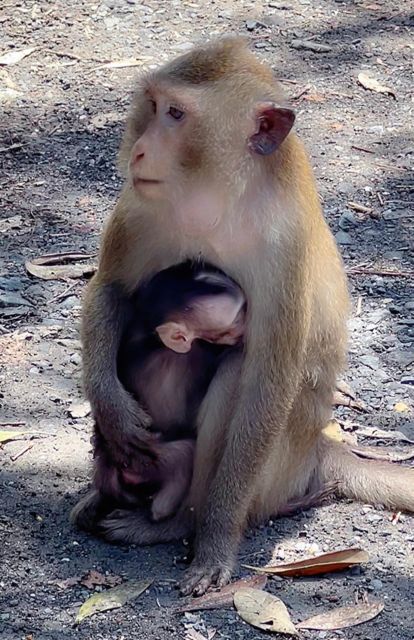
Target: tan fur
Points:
(258, 219)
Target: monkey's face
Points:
(156, 161)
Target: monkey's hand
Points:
(124, 426)
(202, 575)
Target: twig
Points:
(354, 146)
(380, 198)
(359, 306)
(22, 452)
(302, 93)
(17, 145)
(64, 293)
(352, 271)
(12, 424)
(359, 207)
(73, 56)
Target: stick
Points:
(352, 271)
(12, 424)
(20, 453)
(64, 293)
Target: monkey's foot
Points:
(198, 579)
(134, 527)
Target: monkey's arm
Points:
(120, 419)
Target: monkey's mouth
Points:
(138, 181)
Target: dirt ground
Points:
(62, 114)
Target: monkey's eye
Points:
(176, 113)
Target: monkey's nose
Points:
(137, 157)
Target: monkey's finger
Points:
(198, 580)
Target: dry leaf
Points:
(94, 578)
(224, 597)
(325, 563)
(67, 583)
(382, 453)
(121, 64)
(374, 85)
(343, 617)
(54, 266)
(373, 432)
(310, 45)
(112, 598)
(264, 611)
(8, 436)
(12, 57)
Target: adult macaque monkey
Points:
(216, 174)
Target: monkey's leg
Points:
(89, 510)
(215, 415)
(134, 527)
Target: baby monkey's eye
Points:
(176, 113)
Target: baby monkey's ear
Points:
(176, 336)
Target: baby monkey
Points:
(185, 320)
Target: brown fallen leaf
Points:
(67, 583)
(264, 611)
(58, 266)
(374, 85)
(224, 597)
(373, 432)
(325, 563)
(382, 453)
(343, 617)
(12, 57)
(94, 578)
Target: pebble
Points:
(343, 238)
(13, 300)
(370, 361)
(409, 379)
(347, 221)
(376, 584)
(10, 284)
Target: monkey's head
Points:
(212, 117)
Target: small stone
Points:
(376, 128)
(260, 45)
(10, 284)
(343, 238)
(76, 358)
(409, 379)
(347, 221)
(79, 409)
(376, 584)
(409, 305)
(69, 302)
(251, 25)
(370, 361)
(13, 300)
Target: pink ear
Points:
(175, 336)
(272, 126)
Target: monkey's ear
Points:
(175, 336)
(273, 124)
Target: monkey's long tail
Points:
(367, 481)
